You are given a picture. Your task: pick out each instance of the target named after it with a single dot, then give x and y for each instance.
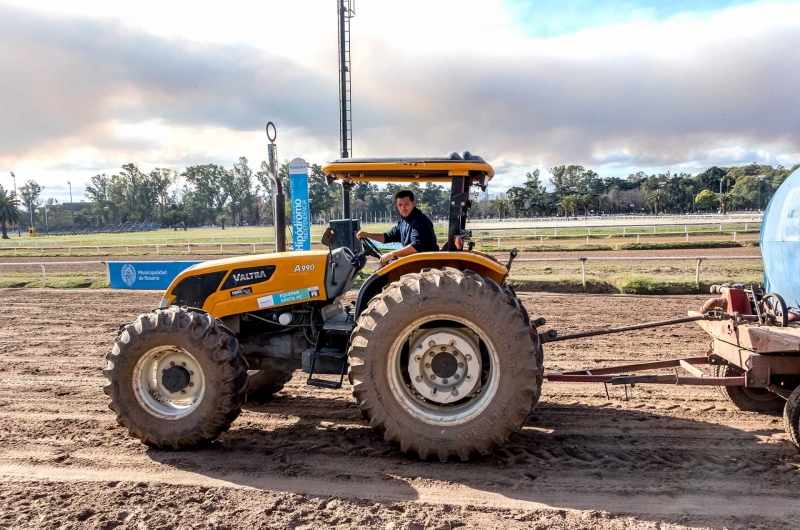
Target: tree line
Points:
(211, 194)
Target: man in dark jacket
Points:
(414, 231)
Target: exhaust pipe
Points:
(278, 198)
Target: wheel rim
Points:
(446, 378)
(168, 382)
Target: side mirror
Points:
(328, 237)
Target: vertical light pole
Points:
(19, 226)
(70, 191)
(30, 209)
(760, 180)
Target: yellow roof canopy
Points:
(419, 169)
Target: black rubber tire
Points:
(791, 416)
(263, 384)
(487, 307)
(217, 352)
(747, 399)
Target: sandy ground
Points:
(669, 457)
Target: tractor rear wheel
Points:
(176, 378)
(791, 416)
(443, 362)
(747, 399)
(263, 384)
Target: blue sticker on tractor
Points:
(289, 296)
(145, 274)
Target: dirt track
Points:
(669, 457)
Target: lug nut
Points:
(183, 391)
(468, 377)
(191, 373)
(191, 384)
(418, 379)
(163, 370)
(433, 376)
(461, 365)
(431, 344)
(454, 392)
(452, 343)
(444, 381)
(456, 376)
(456, 352)
(469, 357)
(418, 358)
(443, 348)
(172, 363)
(183, 364)
(427, 365)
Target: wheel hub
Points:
(175, 379)
(168, 382)
(444, 365)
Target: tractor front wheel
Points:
(176, 378)
(445, 363)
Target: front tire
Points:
(265, 383)
(176, 379)
(443, 363)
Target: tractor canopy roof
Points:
(415, 169)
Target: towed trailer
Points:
(754, 356)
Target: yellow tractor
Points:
(441, 355)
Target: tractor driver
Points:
(414, 230)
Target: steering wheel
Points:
(370, 249)
(774, 308)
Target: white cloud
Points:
(95, 85)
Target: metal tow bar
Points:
(616, 375)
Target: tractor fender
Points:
(478, 262)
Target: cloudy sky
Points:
(87, 86)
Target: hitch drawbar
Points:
(553, 336)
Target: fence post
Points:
(541, 241)
(734, 237)
(127, 250)
(687, 237)
(697, 273)
(587, 240)
(637, 237)
(220, 248)
(254, 248)
(745, 227)
(44, 277)
(583, 273)
(158, 251)
(189, 248)
(498, 243)
(623, 231)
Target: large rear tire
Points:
(444, 363)
(747, 399)
(176, 378)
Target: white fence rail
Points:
(44, 265)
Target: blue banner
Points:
(301, 219)
(145, 274)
